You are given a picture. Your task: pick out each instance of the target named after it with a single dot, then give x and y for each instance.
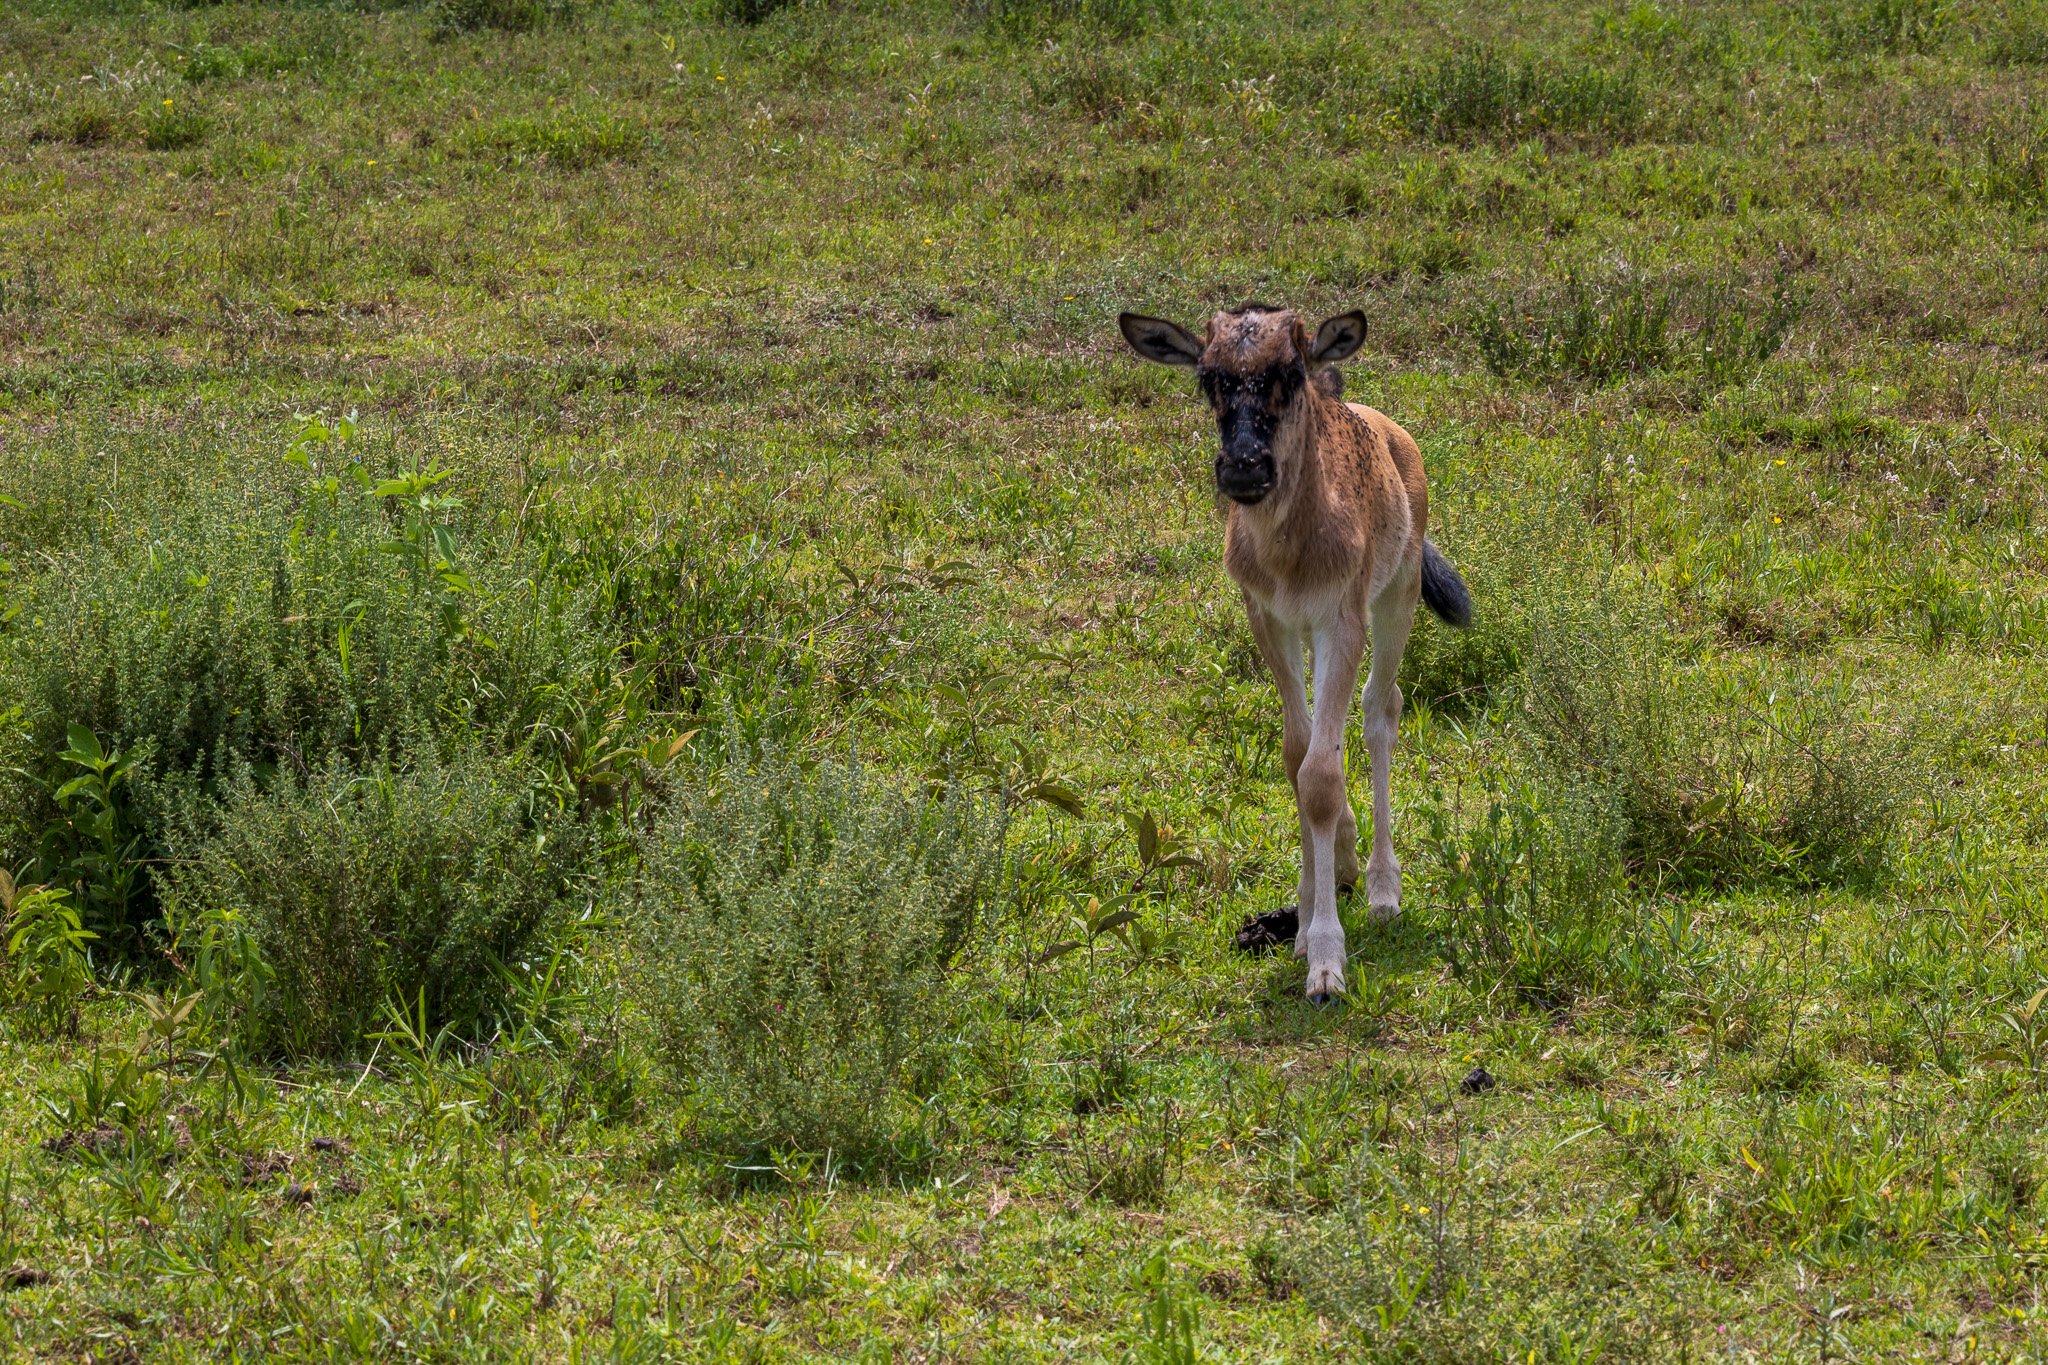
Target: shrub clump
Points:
(794, 931)
(361, 884)
(249, 635)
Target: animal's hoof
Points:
(1322, 999)
(1385, 914)
(1324, 982)
(1263, 933)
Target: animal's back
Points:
(1406, 456)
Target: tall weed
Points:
(46, 967)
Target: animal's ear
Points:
(1160, 340)
(1338, 338)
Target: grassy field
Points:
(452, 456)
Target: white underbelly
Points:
(1305, 611)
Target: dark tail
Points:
(1443, 592)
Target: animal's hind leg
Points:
(1392, 618)
(1320, 790)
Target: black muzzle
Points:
(1245, 479)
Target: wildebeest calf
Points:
(1327, 509)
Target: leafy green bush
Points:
(794, 932)
(92, 846)
(259, 634)
(45, 959)
(1481, 90)
(363, 883)
(238, 634)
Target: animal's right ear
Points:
(1160, 340)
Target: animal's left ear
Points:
(1337, 338)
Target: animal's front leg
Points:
(1282, 647)
(1324, 802)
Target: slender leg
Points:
(1347, 847)
(1393, 616)
(1282, 650)
(1320, 788)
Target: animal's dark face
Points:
(1250, 407)
(1254, 364)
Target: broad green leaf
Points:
(1113, 921)
(1054, 795)
(85, 745)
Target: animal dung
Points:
(1263, 933)
(1477, 1082)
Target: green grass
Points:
(771, 358)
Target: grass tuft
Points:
(171, 126)
(1483, 91)
(1603, 333)
(453, 17)
(571, 141)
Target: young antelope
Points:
(1327, 506)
